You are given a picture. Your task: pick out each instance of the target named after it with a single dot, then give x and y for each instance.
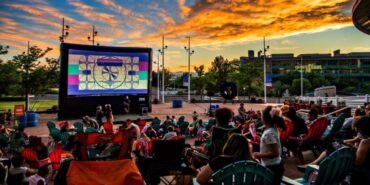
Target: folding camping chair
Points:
(167, 159)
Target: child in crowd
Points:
(270, 147)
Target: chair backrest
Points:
(317, 129)
(50, 125)
(16, 179)
(55, 134)
(284, 134)
(168, 150)
(243, 173)
(55, 158)
(30, 157)
(79, 127)
(90, 130)
(338, 123)
(108, 127)
(64, 137)
(122, 138)
(219, 137)
(335, 167)
(4, 140)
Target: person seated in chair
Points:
(41, 177)
(362, 162)
(235, 149)
(170, 133)
(18, 173)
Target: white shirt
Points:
(34, 179)
(169, 135)
(269, 137)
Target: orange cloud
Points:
(224, 21)
(90, 13)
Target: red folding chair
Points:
(30, 157)
(284, 134)
(313, 138)
(55, 159)
(108, 128)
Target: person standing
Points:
(270, 146)
(108, 113)
(126, 105)
(9, 117)
(99, 115)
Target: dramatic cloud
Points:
(212, 22)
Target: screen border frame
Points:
(64, 61)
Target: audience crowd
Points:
(250, 135)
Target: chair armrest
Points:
(287, 180)
(310, 169)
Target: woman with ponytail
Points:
(270, 147)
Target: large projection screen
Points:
(103, 75)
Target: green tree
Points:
(199, 70)
(296, 86)
(247, 77)
(27, 64)
(9, 79)
(221, 68)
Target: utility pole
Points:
(190, 52)
(27, 75)
(265, 48)
(65, 32)
(162, 52)
(301, 76)
(94, 34)
(158, 85)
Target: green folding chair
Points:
(79, 127)
(242, 173)
(332, 170)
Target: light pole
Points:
(65, 32)
(162, 53)
(94, 34)
(158, 85)
(190, 52)
(301, 76)
(265, 48)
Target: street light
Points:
(65, 32)
(265, 48)
(244, 93)
(162, 53)
(301, 76)
(4, 50)
(94, 34)
(157, 77)
(190, 52)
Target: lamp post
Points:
(265, 48)
(94, 34)
(301, 76)
(65, 32)
(4, 50)
(158, 85)
(190, 52)
(162, 53)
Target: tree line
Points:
(30, 72)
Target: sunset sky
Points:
(217, 27)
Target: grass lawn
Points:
(34, 105)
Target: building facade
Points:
(355, 65)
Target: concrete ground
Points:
(162, 110)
